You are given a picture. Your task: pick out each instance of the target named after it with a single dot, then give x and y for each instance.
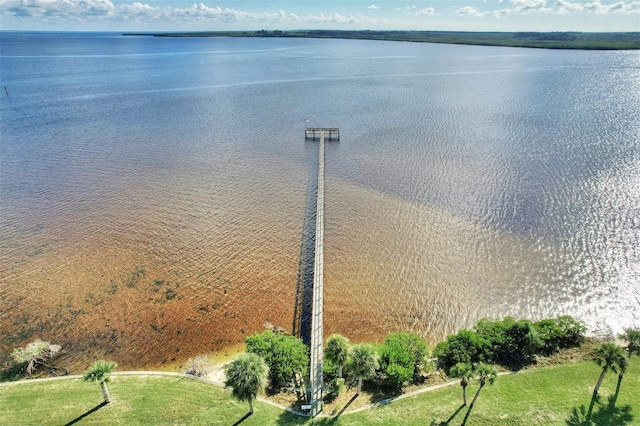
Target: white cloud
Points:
(618, 7)
(497, 14)
(106, 11)
(559, 7)
(528, 6)
(468, 10)
(568, 7)
(140, 10)
(68, 9)
(414, 11)
(107, 14)
(429, 11)
(196, 13)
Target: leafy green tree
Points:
(402, 357)
(100, 371)
(286, 356)
(246, 376)
(464, 372)
(364, 362)
(466, 346)
(337, 351)
(610, 357)
(35, 354)
(632, 337)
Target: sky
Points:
(219, 15)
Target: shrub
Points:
(286, 356)
(334, 388)
(560, 333)
(513, 343)
(35, 354)
(197, 366)
(464, 347)
(402, 356)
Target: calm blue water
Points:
(469, 182)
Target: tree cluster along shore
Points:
(543, 40)
(278, 363)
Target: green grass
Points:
(153, 400)
(545, 396)
(558, 395)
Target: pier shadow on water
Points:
(304, 284)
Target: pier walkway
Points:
(317, 310)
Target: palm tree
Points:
(364, 362)
(485, 374)
(100, 372)
(464, 372)
(337, 351)
(610, 357)
(247, 376)
(632, 336)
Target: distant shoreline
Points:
(539, 40)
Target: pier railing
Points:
(316, 341)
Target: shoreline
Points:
(537, 40)
(367, 401)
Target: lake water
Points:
(155, 191)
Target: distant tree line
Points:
(268, 33)
(557, 36)
(548, 40)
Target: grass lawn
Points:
(136, 400)
(545, 396)
(558, 395)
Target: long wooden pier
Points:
(317, 309)
(317, 132)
